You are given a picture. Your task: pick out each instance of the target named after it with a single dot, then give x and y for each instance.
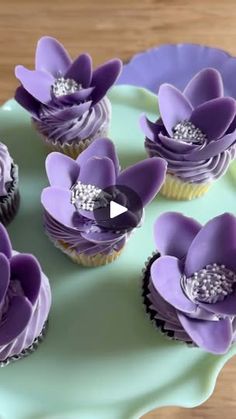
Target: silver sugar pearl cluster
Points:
(211, 284)
(62, 87)
(84, 196)
(187, 132)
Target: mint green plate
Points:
(102, 358)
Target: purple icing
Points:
(66, 99)
(99, 166)
(192, 286)
(196, 131)
(5, 169)
(25, 299)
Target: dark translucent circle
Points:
(124, 196)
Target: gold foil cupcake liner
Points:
(175, 188)
(9, 204)
(99, 259)
(28, 351)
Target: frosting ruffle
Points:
(192, 171)
(65, 127)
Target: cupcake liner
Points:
(99, 259)
(28, 351)
(72, 148)
(175, 188)
(151, 313)
(9, 204)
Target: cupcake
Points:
(9, 192)
(189, 285)
(76, 186)
(195, 134)
(66, 99)
(25, 300)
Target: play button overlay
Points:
(118, 208)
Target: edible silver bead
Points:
(62, 87)
(187, 132)
(84, 196)
(207, 286)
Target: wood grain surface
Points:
(109, 28)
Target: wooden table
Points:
(108, 28)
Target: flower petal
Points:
(102, 147)
(212, 336)
(26, 269)
(61, 170)
(166, 274)
(104, 77)
(204, 86)
(5, 243)
(57, 202)
(149, 128)
(77, 97)
(81, 70)
(145, 178)
(98, 171)
(37, 83)
(174, 107)
(173, 233)
(179, 146)
(213, 244)
(27, 101)
(51, 56)
(5, 277)
(214, 117)
(213, 148)
(17, 318)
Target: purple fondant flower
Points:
(60, 93)
(25, 299)
(194, 279)
(96, 169)
(57, 78)
(196, 131)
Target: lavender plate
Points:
(177, 64)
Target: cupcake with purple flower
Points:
(76, 204)
(9, 186)
(195, 134)
(25, 300)
(189, 286)
(66, 99)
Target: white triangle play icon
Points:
(116, 209)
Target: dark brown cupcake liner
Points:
(28, 351)
(151, 313)
(9, 204)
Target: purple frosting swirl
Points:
(25, 299)
(5, 169)
(63, 127)
(196, 132)
(67, 99)
(103, 242)
(192, 285)
(197, 172)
